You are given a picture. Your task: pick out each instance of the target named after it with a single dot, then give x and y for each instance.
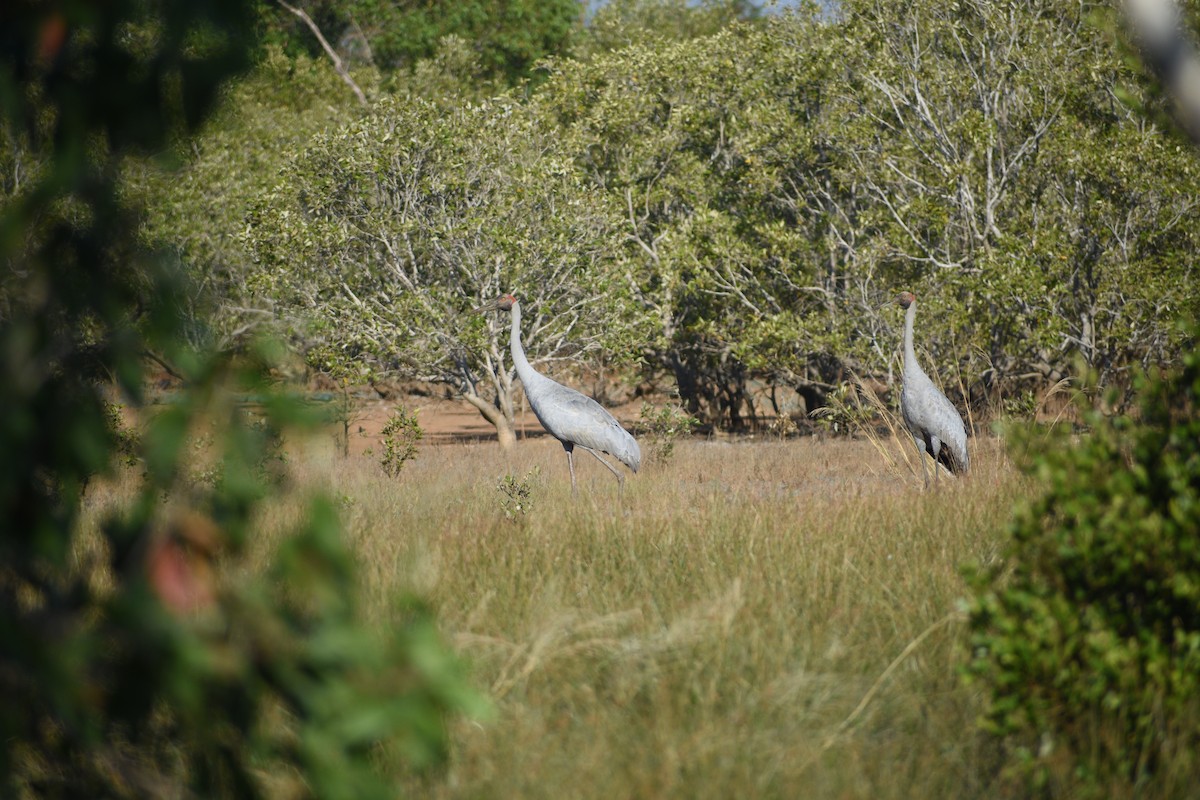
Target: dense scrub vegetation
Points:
(688, 197)
(765, 186)
(1086, 636)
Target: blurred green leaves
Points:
(1087, 638)
(142, 659)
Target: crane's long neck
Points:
(524, 369)
(910, 355)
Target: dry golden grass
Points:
(754, 619)
(773, 619)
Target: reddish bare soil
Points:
(449, 421)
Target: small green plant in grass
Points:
(663, 425)
(516, 496)
(782, 427)
(1023, 407)
(400, 437)
(126, 440)
(845, 412)
(1087, 636)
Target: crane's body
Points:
(575, 419)
(935, 424)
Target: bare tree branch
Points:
(337, 61)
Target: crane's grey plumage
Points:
(576, 420)
(933, 421)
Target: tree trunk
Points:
(505, 430)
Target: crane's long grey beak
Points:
(488, 306)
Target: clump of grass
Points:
(856, 409)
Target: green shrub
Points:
(846, 412)
(400, 437)
(662, 426)
(1087, 636)
(147, 655)
(516, 495)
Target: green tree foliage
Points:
(699, 141)
(780, 180)
(197, 212)
(135, 671)
(618, 24)
(767, 186)
(385, 236)
(507, 36)
(1086, 638)
(987, 162)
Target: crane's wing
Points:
(577, 418)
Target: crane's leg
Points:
(921, 457)
(571, 466)
(613, 470)
(935, 447)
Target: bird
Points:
(936, 426)
(575, 419)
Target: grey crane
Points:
(576, 420)
(933, 421)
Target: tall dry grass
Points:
(754, 620)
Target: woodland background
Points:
(207, 210)
(706, 199)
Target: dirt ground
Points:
(450, 421)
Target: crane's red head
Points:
(906, 299)
(505, 302)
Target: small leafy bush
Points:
(126, 440)
(663, 426)
(783, 426)
(400, 437)
(846, 412)
(1087, 637)
(516, 496)
(1023, 406)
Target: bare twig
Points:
(337, 61)
(909, 649)
(174, 373)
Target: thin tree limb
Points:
(174, 373)
(337, 61)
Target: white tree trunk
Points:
(505, 429)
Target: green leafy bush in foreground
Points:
(1087, 637)
(146, 655)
